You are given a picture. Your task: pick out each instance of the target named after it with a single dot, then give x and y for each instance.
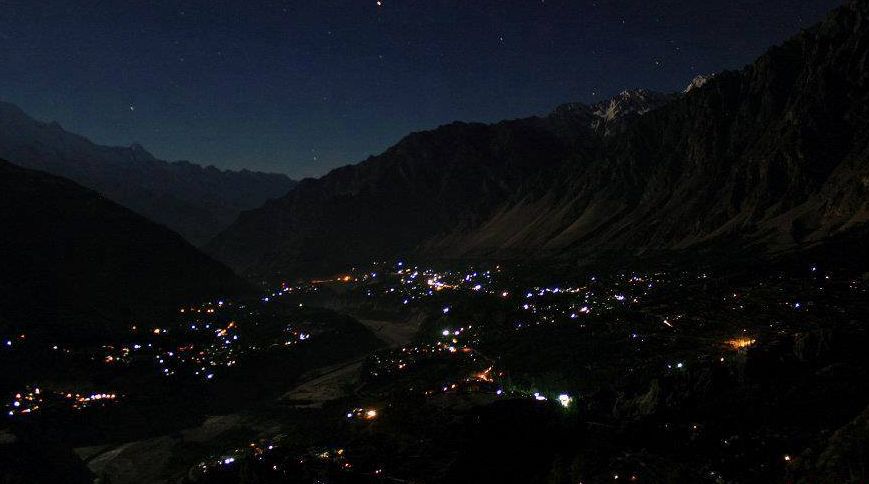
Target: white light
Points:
(565, 400)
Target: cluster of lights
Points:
(35, 399)
(454, 343)
(272, 456)
(362, 414)
(217, 344)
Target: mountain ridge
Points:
(196, 201)
(508, 158)
(772, 156)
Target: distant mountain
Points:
(76, 265)
(698, 82)
(769, 158)
(448, 180)
(624, 107)
(195, 201)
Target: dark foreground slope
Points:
(195, 201)
(74, 263)
(773, 156)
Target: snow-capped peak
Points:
(698, 82)
(639, 101)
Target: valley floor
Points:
(478, 375)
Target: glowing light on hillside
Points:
(740, 343)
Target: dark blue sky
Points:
(302, 87)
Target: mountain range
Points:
(78, 266)
(195, 201)
(770, 157)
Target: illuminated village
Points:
(456, 343)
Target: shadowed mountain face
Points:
(773, 156)
(77, 265)
(195, 201)
(450, 179)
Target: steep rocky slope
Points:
(773, 156)
(452, 178)
(193, 200)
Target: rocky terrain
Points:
(771, 156)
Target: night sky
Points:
(302, 87)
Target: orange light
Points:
(484, 375)
(740, 343)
